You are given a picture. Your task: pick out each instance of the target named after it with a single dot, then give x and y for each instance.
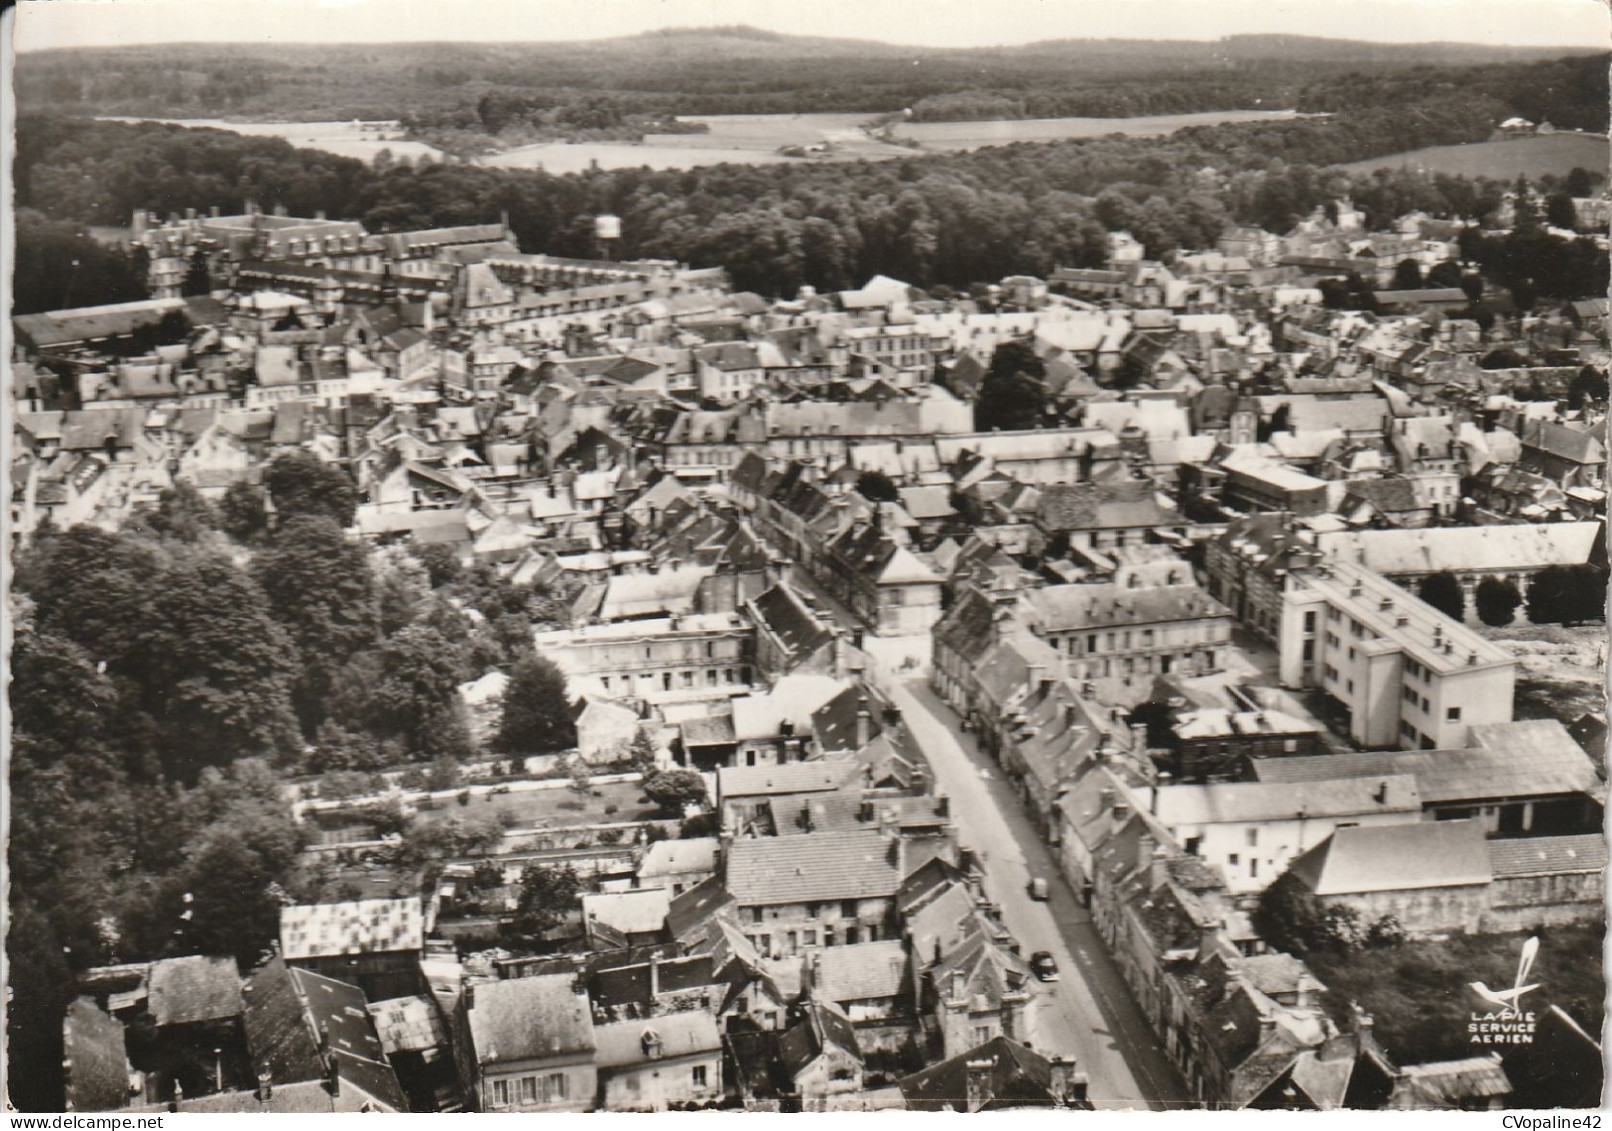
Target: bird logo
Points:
(1508, 1000)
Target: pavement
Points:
(1088, 1012)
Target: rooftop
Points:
(814, 867)
(360, 927)
(529, 1019)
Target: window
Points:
(982, 1033)
(1192, 844)
(1252, 836)
(1309, 621)
(528, 1089)
(848, 909)
(1290, 746)
(1147, 638)
(1232, 859)
(808, 937)
(755, 914)
(688, 679)
(553, 1087)
(1309, 651)
(1452, 714)
(1253, 868)
(500, 1093)
(699, 1075)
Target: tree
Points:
(1559, 211)
(1589, 385)
(1567, 595)
(320, 587)
(406, 694)
(674, 790)
(876, 486)
(181, 514)
(241, 513)
(1012, 395)
(299, 484)
(1443, 591)
(1579, 182)
(441, 562)
(547, 895)
(1446, 273)
(1472, 286)
(198, 278)
(1496, 601)
(1407, 275)
(537, 712)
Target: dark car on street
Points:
(1044, 966)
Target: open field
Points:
(953, 136)
(1561, 671)
(341, 138)
(754, 139)
(1418, 992)
(1556, 153)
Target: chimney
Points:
(1138, 737)
(1381, 795)
(1122, 813)
(319, 214)
(654, 976)
(178, 1096)
(1063, 1080)
(213, 212)
(943, 806)
(864, 722)
(959, 985)
(979, 1083)
(1158, 867)
(265, 1085)
(470, 996)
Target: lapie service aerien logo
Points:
(1507, 1023)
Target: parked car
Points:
(1037, 887)
(1044, 966)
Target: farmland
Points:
(754, 139)
(344, 139)
(954, 136)
(1506, 160)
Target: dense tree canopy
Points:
(537, 710)
(1443, 591)
(298, 484)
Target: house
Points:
(794, 894)
(375, 943)
(1250, 830)
(626, 918)
(869, 981)
(820, 1056)
(1125, 628)
(1102, 516)
(649, 1065)
(1404, 674)
(978, 990)
(792, 636)
(528, 1044)
(999, 1075)
(678, 865)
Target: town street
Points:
(1089, 1012)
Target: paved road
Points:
(1089, 1011)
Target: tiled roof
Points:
(790, 777)
(409, 1024)
(1547, 855)
(1060, 608)
(1450, 1084)
(1018, 1077)
(195, 988)
(631, 912)
(828, 866)
(95, 1066)
(787, 617)
(1464, 548)
(624, 1043)
(1473, 774)
(860, 972)
(668, 857)
(1390, 495)
(1102, 506)
(1222, 802)
(341, 1012)
(529, 1019)
(1418, 854)
(278, 1036)
(823, 1025)
(360, 927)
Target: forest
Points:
(740, 70)
(951, 219)
(170, 677)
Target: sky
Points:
(43, 24)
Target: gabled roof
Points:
(359, 927)
(817, 867)
(1102, 506)
(1016, 1077)
(1548, 855)
(860, 972)
(625, 1044)
(529, 1019)
(95, 1067)
(195, 988)
(1371, 858)
(821, 1026)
